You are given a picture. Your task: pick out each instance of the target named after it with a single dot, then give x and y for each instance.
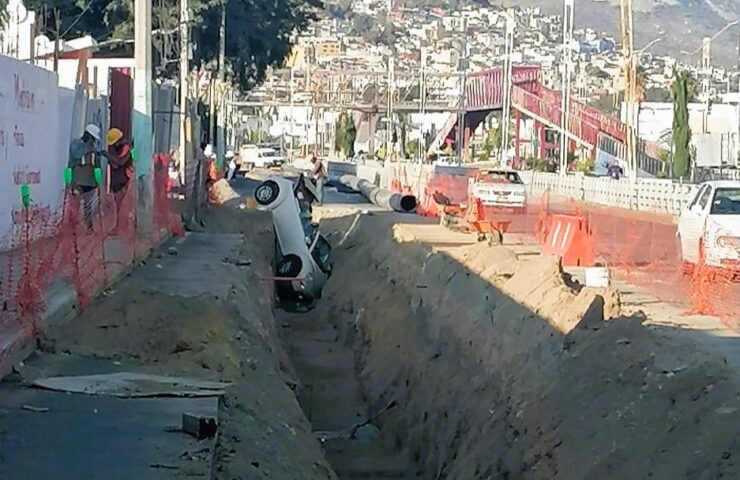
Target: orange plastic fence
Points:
(641, 248)
(84, 244)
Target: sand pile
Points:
(220, 193)
(496, 379)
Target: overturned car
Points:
(302, 261)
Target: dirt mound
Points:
(144, 325)
(492, 379)
(488, 262)
(220, 193)
(540, 285)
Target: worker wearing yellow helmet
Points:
(120, 160)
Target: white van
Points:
(252, 156)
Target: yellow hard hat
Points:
(114, 135)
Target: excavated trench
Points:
(429, 359)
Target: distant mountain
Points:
(681, 23)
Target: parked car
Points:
(252, 156)
(302, 255)
(499, 188)
(709, 226)
(447, 161)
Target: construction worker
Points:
(317, 174)
(120, 160)
(85, 167)
(230, 158)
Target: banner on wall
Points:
(29, 141)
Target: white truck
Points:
(709, 226)
(252, 156)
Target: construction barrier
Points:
(569, 238)
(80, 247)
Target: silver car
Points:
(302, 255)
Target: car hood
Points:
(500, 187)
(725, 224)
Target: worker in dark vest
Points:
(120, 160)
(85, 170)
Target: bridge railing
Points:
(606, 123)
(550, 112)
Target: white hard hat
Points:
(208, 151)
(93, 130)
(229, 153)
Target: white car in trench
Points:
(302, 255)
(709, 226)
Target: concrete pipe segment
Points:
(379, 196)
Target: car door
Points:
(691, 224)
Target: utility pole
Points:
(567, 74)
(220, 87)
(184, 70)
(506, 106)
(422, 103)
(142, 121)
(292, 110)
(630, 90)
(391, 92)
(463, 69)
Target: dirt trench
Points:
(467, 362)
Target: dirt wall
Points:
(501, 369)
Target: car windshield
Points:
(501, 177)
(726, 201)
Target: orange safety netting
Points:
(83, 244)
(640, 248)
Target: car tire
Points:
(267, 192)
(289, 266)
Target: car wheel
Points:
(267, 192)
(289, 266)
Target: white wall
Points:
(30, 140)
(657, 118)
(68, 71)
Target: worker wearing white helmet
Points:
(231, 164)
(85, 168)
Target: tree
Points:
(346, 134)
(681, 131)
(692, 88)
(259, 33)
(665, 160)
(492, 143)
